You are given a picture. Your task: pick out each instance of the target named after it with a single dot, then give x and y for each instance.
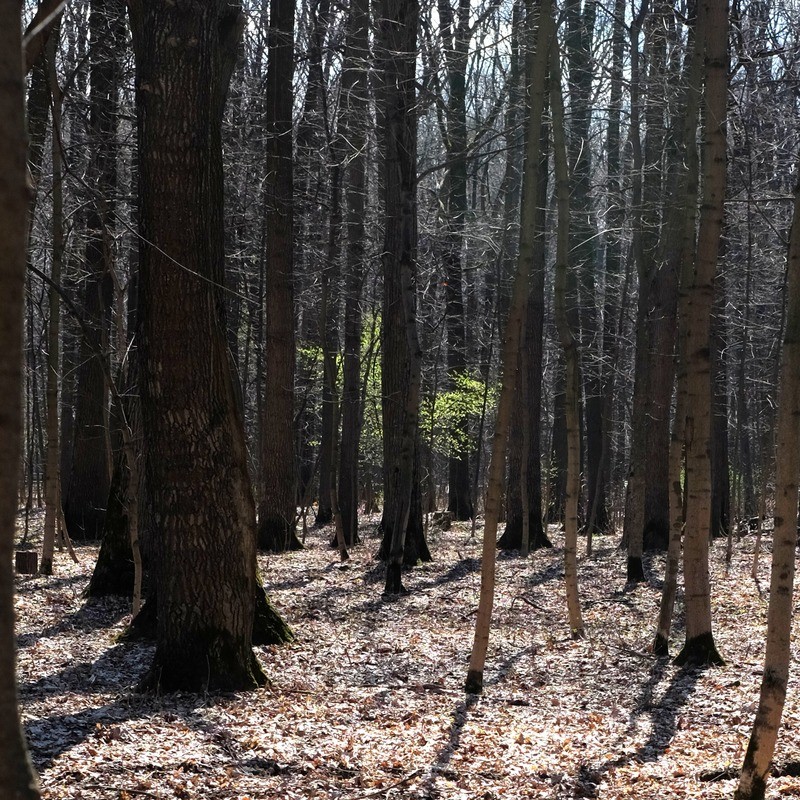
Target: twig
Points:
(105, 787)
(384, 789)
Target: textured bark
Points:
(277, 508)
(758, 759)
(699, 644)
(17, 780)
(195, 455)
(401, 355)
(679, 257)
(354, 119)
(455, 33)
(540, 31)
(583, 232)
(52, 491)
(571, 355)
(525, 477)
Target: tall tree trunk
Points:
(354, 119)
(571, 354)
(679, 257)
(17, 778)
(456, 33)
(89, 482)
(760, 750)
(401, 354)
(540, 33)
(195, 455)
(52, 493)
(699, 645)
(276, 511)
(525, 471)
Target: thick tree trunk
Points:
(401, 354)
(277, 509)
(524, 485)
(679, 257)
(17, 780)
(194, 438)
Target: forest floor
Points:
(369, 701)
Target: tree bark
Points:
(17, 779)
(354, 119)
(88, 484)
(277, 509)
(760, 750)
(194, 438)
(699, 644)
(540, 32)
(401, 353)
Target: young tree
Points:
(758, 759)
(571, 354)
(194, 438)
(354, 114)
(17, 780)
(540, 33)
(699, 644)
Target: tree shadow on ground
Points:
(440, 767)
(28, 584)
(663, 719)
(95, 613)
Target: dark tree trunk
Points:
(195, 454)
(528, 403)
(354, 119)
(401, 356)
(277, 510)
(87, 486)
(17, 778)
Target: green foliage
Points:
(446, 416)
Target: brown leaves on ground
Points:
(368, 703)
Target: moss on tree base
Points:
(268, 625)
(700, 651)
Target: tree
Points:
(571, 353)
(276, 511)
(354, 114)
(89, 482)
(758, 759)
(17, 780)
(403, 537)
(194, 438)
(540, 33)
(699, 644)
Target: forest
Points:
(399, 399)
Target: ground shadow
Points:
(663, 717)
(95, 613)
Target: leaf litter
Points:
(369, 701)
